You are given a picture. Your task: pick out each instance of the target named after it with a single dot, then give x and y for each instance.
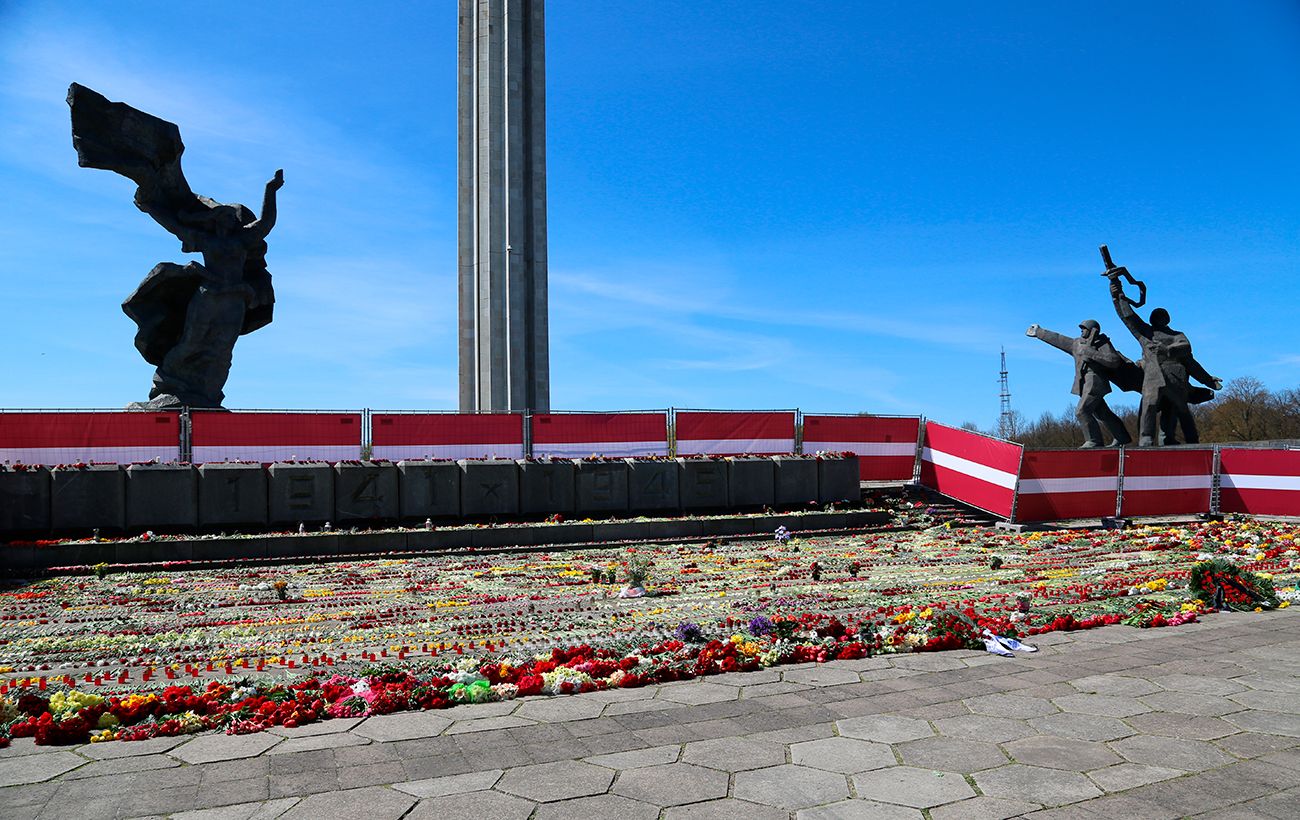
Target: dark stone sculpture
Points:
(189, 316)
(1167, 362)
(1096, 364)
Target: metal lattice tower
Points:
(1006, 421)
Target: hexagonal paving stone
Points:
(548, 782)
(372, 801)
(1190, 728)
(728, 809)
(601, 807)
(673, 784)
(1050, 787)
(36, 768)
(1269, 723)
(1190, 703)
(859, 810)
(983, 808)
(951, 754)
(635, 759)
(1114, 685)
(1009, 706)
(884, 728)
(842, 754)
(478, 805)
(1131, 775)
(1061, 753)
(1268, 701)
(154, 745)
(1253, 744)
(1115, 706)
(907, 786)
(698, 694)
(451, 784)
(212, 748)
(1081, 727)
(734, 754)
(790, 787)
(402, 726)
(557, 710)
(983, 727)
(1168, 752)
(822, 676)
(1198, 684)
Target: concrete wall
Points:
(213, 497)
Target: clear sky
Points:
(753, 203)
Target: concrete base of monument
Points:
(20, 558)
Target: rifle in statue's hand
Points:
(1115, 272)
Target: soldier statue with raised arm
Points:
(1096, 364)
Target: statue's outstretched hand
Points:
(276, 182)
(1216, 383)
(1115, 287)
(1032, 331)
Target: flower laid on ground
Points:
(134, 655)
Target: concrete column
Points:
(504, 358)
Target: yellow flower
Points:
(927, 612)
(1284, 605)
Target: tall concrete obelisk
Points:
(504, 358)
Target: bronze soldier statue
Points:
(1096, 364)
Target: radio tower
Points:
(1006, 421)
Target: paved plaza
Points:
(1199, 720)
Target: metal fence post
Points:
(528, 433)
(798, 431)
(1216, 484)
(920, 449)
(187, 438)
(1119, 483)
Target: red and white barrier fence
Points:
(1259, 482)
(397, 436)
(1167, 482)
(972, 468)
(885, 445)
(578, 435)
(701, 432)
(271, 436)
(89, 437)
(1057, 485)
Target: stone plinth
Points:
(652, 485)
(703, 483)
(24, 499)
(88, 498)
(489, 487)
(751, 481)
(601, 486)
(300, 492)
(161, 495)
(546, 487)
(837, 479)
(366, 491)
(232, 495)
(428, 489)
(796, 480)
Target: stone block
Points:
(162, 496)
(232, 494)
(837, 479)
(300, 492)
(428, 489)
(601, 486)
(366, 491)
(751, 481)
(489, 487)
(88, 498)
(796, 480)
(546, 487)
(652, 484)
(24, 500)
(703, 483)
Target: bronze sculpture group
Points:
(1162, 375)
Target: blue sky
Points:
(840, 207)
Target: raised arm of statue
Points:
(1056, 340)
(263, 225)
(1127, 315)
